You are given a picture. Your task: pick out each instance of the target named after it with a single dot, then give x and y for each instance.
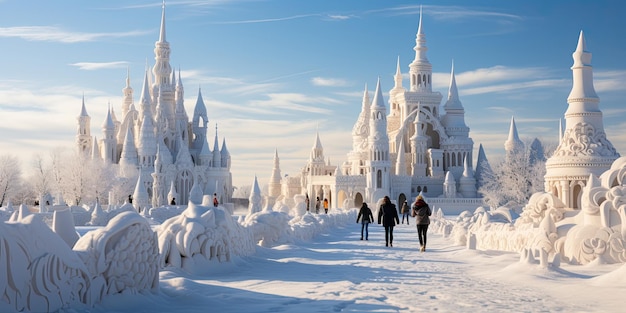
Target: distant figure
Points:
(421, 212)
(405, 212)
(317, 205)
(173, 202)
(366, 213)
(130, 198)
(325, 205)
(215, 202)
(307, 202)
(389, 216)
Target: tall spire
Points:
(162, 69)
(162, 33)
(398, 76)
(420, 69)
(582, 87)
(83, 109)
(453, 102)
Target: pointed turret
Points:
(255, 199)
(513, 143)
(274, 187)
(83, 136)
(145, 100)
(200, 121)
(129, 150)
(225, 155)
(454, 120)
(127, 91)
(482, 165)
(449, 186)
(95, 150)
(360, 131)
(141, 199)
(217, 156)
(467, 182)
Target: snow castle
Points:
(156, 143)
(415, 147)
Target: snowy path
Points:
(337, 272)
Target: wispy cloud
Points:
(329, 82)
(609, 80)
(455, 13)
(55, 34)
(267, 20)
(90, 66)
(282, 102)
(547, 83)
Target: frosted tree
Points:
(511, 181)
(242, 192)
(40, 179)
(10, 177)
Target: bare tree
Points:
(242, 192)
(10, 177)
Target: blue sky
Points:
(274, 72)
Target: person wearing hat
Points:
(421, 212)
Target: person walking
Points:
(366, 217)
(317, 205)
(421, 212)
(215, 201)
(389, 216)
(405, 212)
(325, 206)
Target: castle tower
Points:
(378, 163)
(467, 182)
(459, 146)
(419, 144)
(127, 91)
(83, 136)
(274, 183)
(584, 148)
(420, 70)
(109, 142)
(200, 121)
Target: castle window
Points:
(419, 188)
(425, 189)
(379, 179)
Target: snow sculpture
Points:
(63, 225)
(202, 234)
(39, 272)
(121, 257)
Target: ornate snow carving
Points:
(40, 273)
(585, 140)
(199, 235)
(540, 205)
(121, 257)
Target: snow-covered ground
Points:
(337, 272)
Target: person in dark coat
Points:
(366, 217)
(389, 215)
(421, 212)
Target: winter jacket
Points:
(421, 212)
(389, 215)
(405, 208)
(366, 213)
